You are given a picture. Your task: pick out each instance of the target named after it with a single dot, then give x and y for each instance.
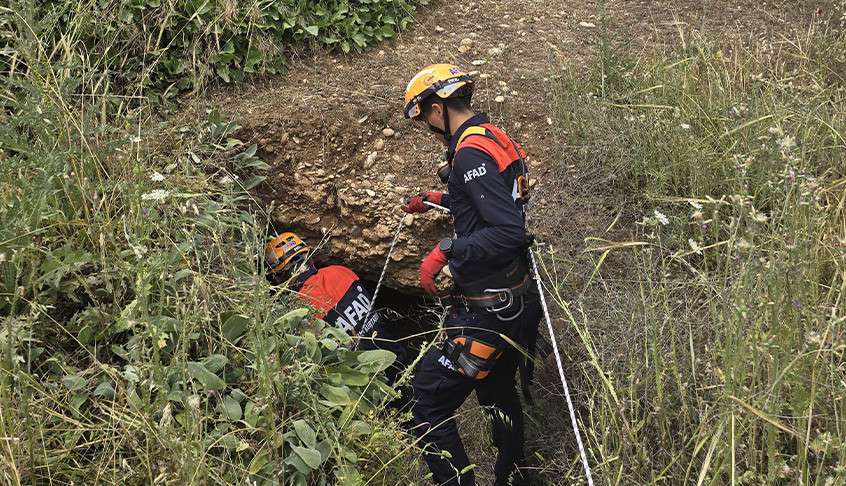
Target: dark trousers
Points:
(439, 390)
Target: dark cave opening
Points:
(413, 317)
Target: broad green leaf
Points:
(348, 475)
(375, 360)
(310, 457)
(325, 448)
(252, 414)
(310, 343)
(223, 73)
(298, 463)
(335, 395)
(234, 327)
(253, 181)
(254, 57)
(348, 376)
(215, 362)
(313, 30)
(231, 408)
(182, 274)
(292, 318)
(305, 433)
(105, 390)
(229, 442)
(258, 462)
(359, 428)
(77, 400)
(208, 379)
(74, 382)
(359, 39)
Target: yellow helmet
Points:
(442, 80)
(282, 250)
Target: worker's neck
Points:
(456, 119)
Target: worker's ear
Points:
(437, 111)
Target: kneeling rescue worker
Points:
(493, 294)
(335, 292)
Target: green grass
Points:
(139, 342)
(140, 345)
(712, 345)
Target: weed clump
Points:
(719, 358)
(138, 342)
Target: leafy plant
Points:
(165, 47)
(138, 343)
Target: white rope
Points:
(551, 330)
(573, 420)
(436, 206)
(385, 266)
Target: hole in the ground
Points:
(412, 316)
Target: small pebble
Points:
(370, 160)
(439, 29)
(500, 99)
(370, 192)
(478, 62)
(409, 218)
(388, 132)
(380, 144)
(587, 25)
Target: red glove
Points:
(430, 267)
(415, 204)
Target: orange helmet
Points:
(281, 251)
(442, 80)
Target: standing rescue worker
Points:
(335, 292)
(493, 294)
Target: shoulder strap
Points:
(474, 130)
(493, 142)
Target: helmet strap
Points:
(309, 271)
(447, 132)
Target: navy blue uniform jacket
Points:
(489, 227)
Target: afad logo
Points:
(474, 173)
(455, 70)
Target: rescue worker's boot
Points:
(519, 477)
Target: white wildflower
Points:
(139, 250)
(759, 216)
(155, 195)
(194, 402)
(813, 338)
(742, 244)
(661, 218)
(685, 126)
(775, 131)
(695, 204)
(157, 177)
(787, 143)
(694, 246)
